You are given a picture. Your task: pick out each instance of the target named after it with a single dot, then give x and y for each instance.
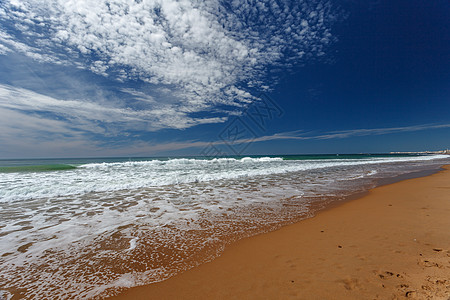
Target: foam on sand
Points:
(121, 224)
(391, 244)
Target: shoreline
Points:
(382, 244)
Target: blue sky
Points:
(152, 78)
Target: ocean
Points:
(88, 228)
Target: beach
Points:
(392, 243)
(93, 228)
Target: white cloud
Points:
(91, 117)
(290, 135)
(36, 125)
(301, 135)
(379, 131)
(205, 52)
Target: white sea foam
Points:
(104, 177)
(4, 295)
(102, 220)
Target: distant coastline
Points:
(447, 151)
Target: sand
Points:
(392, 243)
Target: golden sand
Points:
(390, 244)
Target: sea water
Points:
(88, 228)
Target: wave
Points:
(116, 176)
(176, 162)
(182, 161)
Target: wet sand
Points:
(393, 243)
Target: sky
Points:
(176, 78)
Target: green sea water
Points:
(37, 168)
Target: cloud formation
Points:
(195, 55)
(293, 135)
(85, 116)
(341, 134)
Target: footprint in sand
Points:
(350, 283)
(410, 294)
(438, 281)
(428, 264)
(388, 274)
